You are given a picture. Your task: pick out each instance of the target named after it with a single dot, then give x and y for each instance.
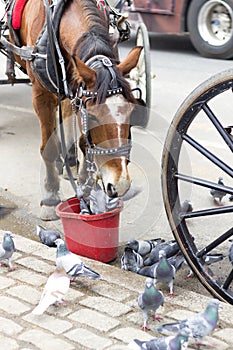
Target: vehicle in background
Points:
(208, 22)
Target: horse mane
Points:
(97, 41)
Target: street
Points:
(178, 69)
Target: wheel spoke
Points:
(218, 126)
(228, 281)
(208, 155)
(226, 235)
(204, 183)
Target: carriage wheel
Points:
(141, 76)
(197, 151)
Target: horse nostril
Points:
(111, 191)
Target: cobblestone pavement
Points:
(98, 315)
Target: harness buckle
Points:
(106, 62)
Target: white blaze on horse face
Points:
(114, 171)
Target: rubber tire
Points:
(205, 49)
(147, 61)
(170, 160)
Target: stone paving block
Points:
(225, 335)
(25, 245)
(94, 319)
(9, 327)
(118, 347)
(5, 282)
(50, 323)
(109, 306)
(12, 306)
(88, 339)
(73, 294)
(180, 314)
(47, 253)
(36, 265)
(26, 293)
(128, 334)
(8, 343)
(109, 291)
(29, 276)
(45, 341)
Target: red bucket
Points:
(93, 236)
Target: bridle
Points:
(79, 105)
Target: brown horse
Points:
(91, 66)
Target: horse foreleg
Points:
(45, 105)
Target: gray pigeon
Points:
(148, 271)
(150, 300)
(71, 262)
(231, 252)
(7, 248)
(56, 287)
(176, 260)
(186, 206)
(165, 271)
(178, 342)
(218, 195)
(130, 260)
(171, 248)
(144, 247)
(100, 202)
(5, 211)
(47, 237)
(200, 325)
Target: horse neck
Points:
(92, 38)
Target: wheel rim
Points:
(215, 22)
(194, 231)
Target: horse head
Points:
(107, 103)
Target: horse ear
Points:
(130, 61)
(83, 73)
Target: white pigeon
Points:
(56, 287)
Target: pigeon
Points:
(171, 248)
(144, 247)
(84, 208)
(5, 211)
(212, 258)
(7, 248)
(150, 300)
(178, 342)
(148, 271)
(130, 260)
(217, 194)
(230, 255)
(132, 192)
(47, 237)
(200, 325)
(56, 287)
(186, 206)
(176, 260)
(71, 262)
(100, 202)
(165, 271)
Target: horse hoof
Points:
(48, 213)
(74, 172)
